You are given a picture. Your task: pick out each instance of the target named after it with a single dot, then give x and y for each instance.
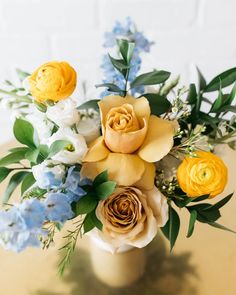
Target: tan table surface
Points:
(202, 265)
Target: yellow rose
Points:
(132, 139)
(52, 81)
(202, 175)
(130, 217)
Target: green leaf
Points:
(192, 220)
(32, 155)
(202, 80)
(219, 226)
(91, 104)
(18, 149)
(57, 146)
(15, 180)
(100, 178)
(24, 132)
(224, 79)
(110, 87)
(192, 94)
(158, 104)
(13, 158)
(105, 189)
(126, 49)
(220, 204)
(21, 74)
(88, 223)
(119, 64)
(201, 198)
(96, 221)
(150, 78)
(28, 181)
(227, 108)
(44, 150)
(231, 96)
(217, 103)
(86, 204)
(4, 172)
(203, 215)
(171, 229)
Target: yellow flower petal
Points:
(125, 169)
(97, 151)
(125, 142)
(158, 141)
(142, 108)
(147, 180)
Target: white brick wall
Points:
(186, 32)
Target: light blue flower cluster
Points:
(126, 30)
(21, 225)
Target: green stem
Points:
(21, 98)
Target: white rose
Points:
(89, 128)
(78, 148)
(64, 113)
(49, 174)
(130, 217)
(41, 124)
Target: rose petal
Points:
(125, 142)
(125, 169)
(142, 108)
(158, 203)
(97, 151)
(158, 141)
(147, 180)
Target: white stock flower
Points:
(64, 113)
(41, 124)
(49, 174)
(76, 151)
(130, 217)
(89, 128)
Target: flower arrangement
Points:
(119, 167)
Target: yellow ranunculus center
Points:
(203, 175)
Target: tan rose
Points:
(132, 139)
(131, 217)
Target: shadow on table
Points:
(165, 275)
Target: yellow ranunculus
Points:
(132, 139)
(202, 175)
(52, 81)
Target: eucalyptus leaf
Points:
(217, 103)
(110, 87)
(231, 96)
(219, 226)
(119, 64)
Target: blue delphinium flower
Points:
(58, 208)
(73, 184)
(49, 174)
(17, 228)
(33, 212)
(128, 31)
